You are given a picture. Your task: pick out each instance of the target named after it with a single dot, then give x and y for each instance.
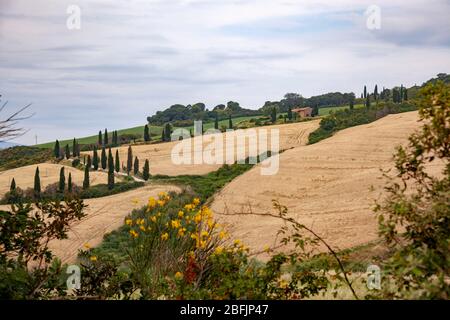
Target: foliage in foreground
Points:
(28, 269)
(414, 219)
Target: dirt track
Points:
(330, 186)
(48, 172)
(159, 155)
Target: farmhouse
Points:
(303, 112)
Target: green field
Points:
(155, 131)
(326, 110)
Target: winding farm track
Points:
(329, 186)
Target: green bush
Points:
(23, 156)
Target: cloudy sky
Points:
(133, 57)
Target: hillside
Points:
(330, 186)
(159, 155)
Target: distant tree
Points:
(352, 104)
(67, 151)
(104, 159)
(37, 183)
(315, 111)
(110, 170)
(13, 185)
(146, 170)
(95, 158)
(230, 122)
(86, 182)
(100, 140)
(216, 122)
(89, 162)
(147, 136)
(368, 101)
(163, 135)
(273, 115)
(74, 147)
(62, 180)
(289, 113)
(117, 161)
(405, 95)
(136, 166)
(375, 92)
(57, 150)
(69, 183)
(167, 132)
(365, 92)
(129, 160)
(106, 139)
(401, 94)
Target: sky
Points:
(131, 58)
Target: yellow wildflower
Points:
(237, 242)
(181, 231)
(267, 249)
(188, 207)
(93, 258)
(165, 236)
(134, 234)
(197, 218)
(178, 275)
(142, 228)
(202, 244)
(180, 214)
(196, 201)
(218, 250)
(175, 224)
(191, 254)
(204, 233)
(161, 203)
(222, 235)
(87, 245)
(151, 203)
(129, 222)
(153, 218)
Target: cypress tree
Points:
(167, 132)
(136, 165)
(129, 160)
(365, 92)
(74, 147)
(106, 141)
(352, 103)
(368, 101)
(273, 115)
(163, 135)
(57, 151)
(289, 113)
(37, 183)
(86, 178)
(216, 122)
(103, 158)
(62, 180)
(146, 170)
(401, 94)
(69, 183)
(405, 95)
(146, 133)
(95, 158)
(67, 151)
(89, 162)
(12, 188)
(100, 140)
(117, 161)
(230, 122)
(375, 92)
(110, 170)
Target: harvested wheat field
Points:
(329, 186)
(159, 155)
(103, 215)
(48, 172)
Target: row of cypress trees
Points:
(58, 153)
